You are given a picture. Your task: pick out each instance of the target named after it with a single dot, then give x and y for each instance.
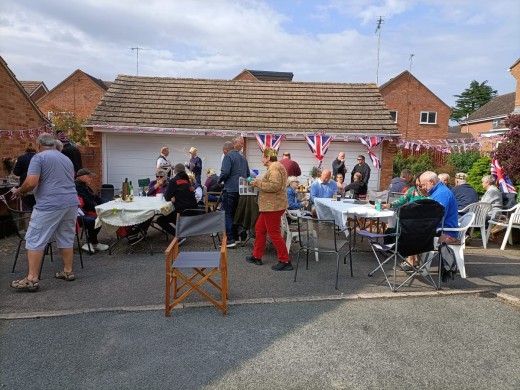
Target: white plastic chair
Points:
(481, 210)
(287, 232)
(512, 223)
(465, 223)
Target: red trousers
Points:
(268, 223)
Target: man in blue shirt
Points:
(323, 188)
(442, 194)
(234, 165)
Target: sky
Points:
(445, 43)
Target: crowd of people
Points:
(53, 184)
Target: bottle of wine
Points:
(125, 189)
(130, 188)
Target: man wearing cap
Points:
(70, 150)
(291, 166)
(51, 177)
(195, 164)
(464, 193)
(90, 201)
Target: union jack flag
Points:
(370, 143)
(504, 182)
(319, 144)
(269, 141)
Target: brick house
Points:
(18, 115)
(35, 89)
(180, 113)
(78, 94)
(488, 120)
(515, 72)
(417, 111)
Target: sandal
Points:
(68, 276)
(25, 285)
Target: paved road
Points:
(107, 329)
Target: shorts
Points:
(51, 225)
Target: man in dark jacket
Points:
(70, 150)
(363, 168)
(464, 193)
(182, 194)
(20, 169)
(402, 183)
(338, 165)
(90, 201)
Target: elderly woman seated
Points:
(493, 194)
(158, 186)
(292, 195)
(212, 184)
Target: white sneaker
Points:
(101, 247)
(88, 248)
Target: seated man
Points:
(442, 194)
(158, 186)
(357, 187)
(90, 201)
(464, 193)
(402, 183)
(182, 194)
(322, 188)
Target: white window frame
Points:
(395, 117)
(496, 123)
(428, 114)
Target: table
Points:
(340, 211)
(118, 213)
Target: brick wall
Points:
(409, 98)
(77, 94)
(387, 164)
(515, 72)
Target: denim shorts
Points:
(51, 225)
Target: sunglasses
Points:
(158, 176)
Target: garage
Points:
(133, 156)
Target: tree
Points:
(480, 168)
(69, 123)
(508, 151)
(471, 99)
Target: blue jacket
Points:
(292, 199)
(234, 165)
(444, 196)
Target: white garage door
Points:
(134, 156)
(301, 153)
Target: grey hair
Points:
(228, 146)
(489, 179)
(46, 139)
(59, 145)
(429, 175)
(179, 168)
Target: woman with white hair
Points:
(292, 195)
(492, 194)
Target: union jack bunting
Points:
(371, 143)
(269, 141)
(504, 182)
(319, 144)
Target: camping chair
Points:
(500, 218)
(416, 226)
(481, 210)
(465, 222)
(205, 265)
(322, 236)
(107, 192)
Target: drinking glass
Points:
(140, 193)
(146, 189)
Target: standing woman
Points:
(272, 202)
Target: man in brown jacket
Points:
(272, 203)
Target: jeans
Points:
(230, 203)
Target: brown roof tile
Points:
(499, 106)
(236, 105)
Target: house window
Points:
(496, 123)
(428, 117)
(393, 114)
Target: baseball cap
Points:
(85, 172)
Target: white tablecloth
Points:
(339, 211)
(119, 213)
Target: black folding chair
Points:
(416, 227)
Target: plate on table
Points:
(347, 200)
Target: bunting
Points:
(371, 143)
(269, 141)
(504, 182)
(319, 144)
(25, 133)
